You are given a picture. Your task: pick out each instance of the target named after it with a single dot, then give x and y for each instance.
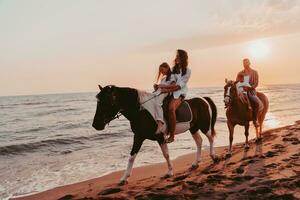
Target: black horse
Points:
(113, 101)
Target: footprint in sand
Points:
(213, 179)
(278, 146)
(270, 154)
(239, 170)
(272, 165)
(196, 184)
(293, 140)
(182, 177)
(110, 191)
(67, 197)
(242, 178)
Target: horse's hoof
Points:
(123, 182)
(228, 155)
(258, 140)
(246, 147)
(194, 166)
(216, 159)
(166, 176)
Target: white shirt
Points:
(240, 85)
(182, 82)
(247, 79)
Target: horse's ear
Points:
(226, 80)
(100, 87)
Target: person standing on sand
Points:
(179, 89)
(251, 77)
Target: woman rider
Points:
(179, 89)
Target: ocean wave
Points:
(284, 109)
(32, 130)
(23, 104)
(55, 111)
(19, 149)
(35, 146)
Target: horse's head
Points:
(107, 106)
(229, 92)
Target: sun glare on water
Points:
(258, 49)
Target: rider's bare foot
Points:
(170, 139)
(159, 127)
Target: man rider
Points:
(251, 76)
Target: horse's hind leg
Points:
(211, 146)
(198, 140)
(165, 151)
(246, 135)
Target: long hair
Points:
(169, 73)
(183, 62)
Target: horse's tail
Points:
(214, 115)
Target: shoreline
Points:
(107, 186)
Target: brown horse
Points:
(238, 112)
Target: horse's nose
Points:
(97, 126)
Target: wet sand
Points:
(268, 170)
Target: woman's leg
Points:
(174, 104)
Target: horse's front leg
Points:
(246, 135)
(165, 151)
(231, 129)
(137, 143)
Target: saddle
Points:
(183, 112)
(244, 97)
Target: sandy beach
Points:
(268, 170)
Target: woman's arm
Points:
(183, 80)
(169, 88)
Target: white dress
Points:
(240, 85)
(153, 101)
(159, 114)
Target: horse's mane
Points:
(128, 96)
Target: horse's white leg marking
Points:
(129, 168)
(211, 145)
(165, 151)
(198, 141)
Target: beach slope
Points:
(268, 170)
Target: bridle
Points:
(227, 94)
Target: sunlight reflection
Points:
(271, 121)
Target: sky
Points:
(57, 46)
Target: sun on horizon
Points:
(258, 49)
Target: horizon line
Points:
(74, 92)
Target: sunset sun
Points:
(258, 49)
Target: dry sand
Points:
(268, 170)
